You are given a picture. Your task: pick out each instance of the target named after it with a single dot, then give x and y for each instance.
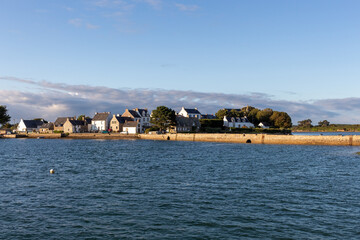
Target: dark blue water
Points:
(177, 190)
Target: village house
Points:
(117, 122)
(131, 127)
(142, 116)
(237, 122)
(75, 126)
(101, 121)
(190, 112)
(59, 123)
(264, 125)
(184, 124)
(47, 128)
(29, 125)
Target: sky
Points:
(66, 58)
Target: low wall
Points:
(352, 140)
(101, 136)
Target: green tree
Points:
(280, 120)
(305, 123)
(324, 123)
(221, 113)
(4, 117)
(82, 117)
(252, 116)
(264, 115)
(163, 117)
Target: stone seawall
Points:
(352, 140)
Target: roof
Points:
(134, 113)
(130, 124)
(61, 120)
(192, 110)
(237, 119)
(76, 122)
(33, 123)
(101, 116)
(208, 116)
(186, 122)
(47, 125)
(123, 119)
(142, 111)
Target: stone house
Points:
(47, 128)
(117, 122)
(141, 116)
(185, 124)
(59, 123)
(74, 126)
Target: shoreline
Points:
(334, 140)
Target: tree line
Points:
(255, 116)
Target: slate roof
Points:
(192, 110)
(143, 112)
(123, 119)
(33, 123)
(208, 116)
(130, 124)
(237, 119)
(101, 116)
(186, 122)
(77, 122)
(47, 125)
(134, 113)
(61, 120)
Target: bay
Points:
(138, 189)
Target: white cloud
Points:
(77, 22)
(91, 26)
(188, 8)
(58, 99)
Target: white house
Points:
(101, 121)
(130, 127)
(29, 125)
(264, 125)
(237, 122)
(190, 112)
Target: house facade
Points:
(101, 121)
(117, 122)
(59, 123)
(190, 112)
(184, 124)
(130, 127)
(75, 126)
(29, 125)
(141, 116)
(47, 128)
(237, 122)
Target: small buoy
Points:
(52, 171)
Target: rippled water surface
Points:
(177, 190)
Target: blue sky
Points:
(279, 54)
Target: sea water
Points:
(137, 189)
